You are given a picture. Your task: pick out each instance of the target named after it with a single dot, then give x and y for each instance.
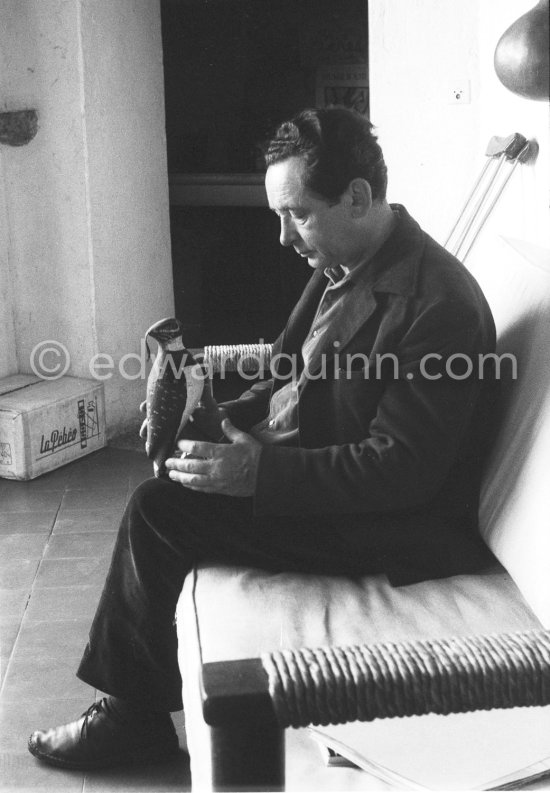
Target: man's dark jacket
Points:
(394, 449)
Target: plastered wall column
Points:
(45, 182)
(8, 361)
(127, 185)
(87, 200)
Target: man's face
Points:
(318, 231)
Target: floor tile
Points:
(39, 678)
(53, 480)
(20, 772)
(8, 634)
(32, 522)
(98, 478)
(18, 573)
(71, 572)
(63, 603)
(22, 546)
(104, 498)
(12, 603)
(99, 519)
(95, 544)
(107, 459)
(26, 499)
(56, 539)
(126, 457)
(172, 775)
(48, 639)
(17, 723)
(95, 458)
(4, 660)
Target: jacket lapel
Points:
(354, 314)
(301, 318)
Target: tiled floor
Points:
(56, 536)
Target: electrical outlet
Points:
(458, 92)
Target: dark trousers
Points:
(165, 530)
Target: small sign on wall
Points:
(344, 84)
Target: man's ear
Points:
(361, 197)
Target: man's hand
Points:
(229, 469)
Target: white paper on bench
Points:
(469, 751)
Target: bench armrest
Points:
(262, 696)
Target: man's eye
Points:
(300, 216)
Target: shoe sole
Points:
(138, 757)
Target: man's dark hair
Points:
(336, 145)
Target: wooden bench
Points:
(229, 617)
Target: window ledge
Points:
(217, 189)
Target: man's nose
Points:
(288, 231)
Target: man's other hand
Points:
(229, 469)
(208, 416)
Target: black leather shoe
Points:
(103, 737)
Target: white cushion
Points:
(515, 499)
(242, 612)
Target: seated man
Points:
(360, 455)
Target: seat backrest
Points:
(515, 498)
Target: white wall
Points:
(435, 151)
(86, 230)
(523, 210)
(417, 50)
(517, 240)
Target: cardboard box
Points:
(48, 423)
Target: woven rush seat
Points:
(335, 685)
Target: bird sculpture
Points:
(174, 389)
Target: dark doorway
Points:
(233, 70)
